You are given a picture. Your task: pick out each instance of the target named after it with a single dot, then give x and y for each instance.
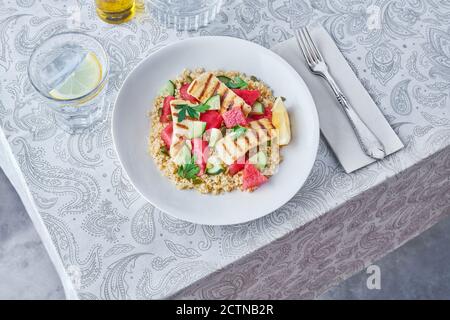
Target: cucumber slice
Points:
(214, 166)
(183, 156)
(214, 135)
(213, 102)
(257, 108)
(259, 160)
(214, 170)
(168, 89)
(195, 128)
(224, 79)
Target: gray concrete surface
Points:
(418, 270)
(25, 268)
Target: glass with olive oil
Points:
(115, 11)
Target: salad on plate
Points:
(218, 131)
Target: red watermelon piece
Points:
(267, 114)
(237, 166)
(165, 114)
(234, 117)
(166, 135)
(249, 96)
(200, 151)
(252, 178)
(212, 118)
(185, 95)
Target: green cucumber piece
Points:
(196, 129)
(214, 136)
(259, 160)
(214, 170)
(214, 166)
(213, 102)
(257, 108)
(168, 89)
(224, 79)
(183, 156)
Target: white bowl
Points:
(131, 125)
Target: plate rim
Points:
(315, 134)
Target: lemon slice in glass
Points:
(83, 80)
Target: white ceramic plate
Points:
(131, 125)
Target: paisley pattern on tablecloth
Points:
(124, 248)
(305, 263)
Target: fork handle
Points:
(369, 143)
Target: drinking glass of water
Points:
(184, 14)
(70, 72)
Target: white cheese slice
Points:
(230, 148)
(206, 85)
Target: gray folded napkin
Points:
(334, 124)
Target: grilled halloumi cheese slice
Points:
(180, 129)
(230, 148)
(206, 85)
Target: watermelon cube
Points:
(267, 114)
(212, 118)
(185, 95)
(252, 178)
(234, 117)
(249, 96)
(237, 166)
(166, 135)
(165, 113)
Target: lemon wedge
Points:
(280, 120)
(83, 80)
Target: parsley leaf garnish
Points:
(236, 83)
(202, 107)
(191, 111)
(239, 131)
(189, 170)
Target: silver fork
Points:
(369, 143)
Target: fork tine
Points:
(303, 47)
(300, 44)
(308, 45)
(314, 47)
